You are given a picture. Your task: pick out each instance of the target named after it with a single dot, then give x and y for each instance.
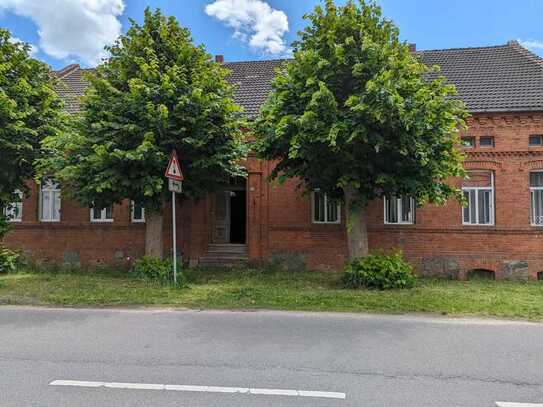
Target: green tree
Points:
(156, 92)
(356, 115)
(29, 110)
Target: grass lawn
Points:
(253, 289)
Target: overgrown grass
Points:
(253, 289)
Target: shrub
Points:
(9, 260)
(4, 225)
(159, 270)
(379, 271)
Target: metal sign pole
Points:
(175, 178)
(174, 241)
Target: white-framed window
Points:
(399, 210)
(102, 214)
(324, 209)
(536, 198)
(478, 189)
(14, 211)
(137, 212)
(49, 201)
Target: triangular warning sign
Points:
(173, 170)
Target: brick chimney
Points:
(412, 47)
(219, 59)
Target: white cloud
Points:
(531, 44)
(254, 22)
(72, 29)
(34, 49)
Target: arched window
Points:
(49, 201)
(536, 198)
(478, 189)
(14, 210)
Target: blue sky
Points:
(68, 31)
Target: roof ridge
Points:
(526, 52)
(61, 73)
(258, 60)
(417, 52)
(463, 48)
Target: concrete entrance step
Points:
(225, 255)
(228, 248)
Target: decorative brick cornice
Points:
(483, 165)
(532, 165)
(501, 120)
(470, 155)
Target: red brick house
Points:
(500, 231)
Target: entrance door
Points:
(238, 216)
(222, 217)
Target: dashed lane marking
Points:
(205, 389)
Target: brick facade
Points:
(278, 224)
(75, 239)
(439, 243)
(279, 220)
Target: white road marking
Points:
(206, 389)
(504, 404)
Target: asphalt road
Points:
(370, 360)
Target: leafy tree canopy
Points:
(157, 92)
(355, 111)
(29, 111)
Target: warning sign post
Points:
(173, 170)
(175, 184)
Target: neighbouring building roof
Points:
(252, 80)
(502, 78)
(71, 86)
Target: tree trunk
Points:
(357, 229)
(154, 227)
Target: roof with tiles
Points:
(503, 78)
(252, 82)
(71, 86)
